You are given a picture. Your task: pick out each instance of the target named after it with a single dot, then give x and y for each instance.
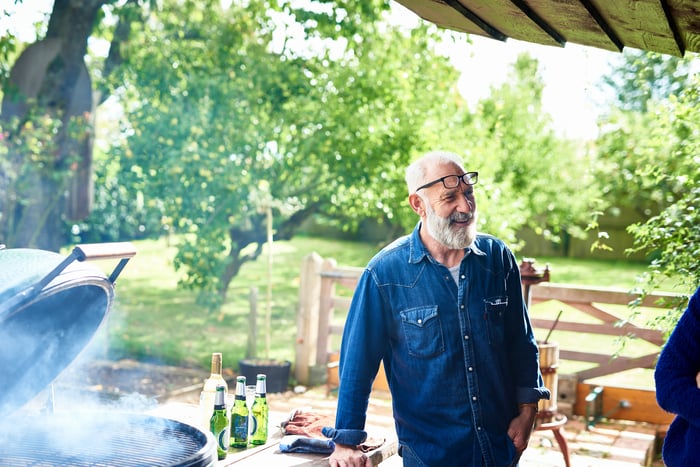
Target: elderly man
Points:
(443, 308)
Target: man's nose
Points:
(466, 202)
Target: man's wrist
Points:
(532, 405)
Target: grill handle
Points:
(117, 250)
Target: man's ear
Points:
(417, 204)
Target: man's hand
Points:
(348, 456)
(520, 428)
(697, 379)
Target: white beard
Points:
(442, 230)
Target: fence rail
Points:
(321, 302)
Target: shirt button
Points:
(471, 369)
(463, 276)
(473, 398)
(466, 337)
(420, 321)
(462, 306)
(447, 278)
(478, 428)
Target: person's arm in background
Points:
(677, 373)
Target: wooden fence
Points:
(325, 293)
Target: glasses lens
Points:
(470, 178)
(451, 181)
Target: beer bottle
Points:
(259, 412)
(239, 416)
(218, 423)
(206, 397)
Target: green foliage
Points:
(528, 176)
(649, 163)
(642, 77)
(31, 175)
(673, 235)
(227, 118)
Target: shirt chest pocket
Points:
(422, 331)
(494, 310)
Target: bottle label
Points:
(253, 425)
(240, 428)
(222, 439)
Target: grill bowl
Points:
(103, 439)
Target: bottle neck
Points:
(261, 387)
(220, 399)
(216, 364)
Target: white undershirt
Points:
(454, 270)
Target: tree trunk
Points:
(50, 79)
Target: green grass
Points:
(153, 319)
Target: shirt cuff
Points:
(525, 395)
(345, 436)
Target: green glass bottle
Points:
(218, 423)
(239, 416)
(259, 412)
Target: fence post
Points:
(307, 317)
(325, 315)
(252, 348)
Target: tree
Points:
(529, 177)
(227, 117)
(648, 154)
(641, 77)
(48, 111)
(672, 236)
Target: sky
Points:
(570, 74)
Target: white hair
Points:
(415, 173)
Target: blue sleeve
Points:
(524, 351)
(361, 351)
(679, 363)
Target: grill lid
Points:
(50, 308)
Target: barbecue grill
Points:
(50, 308)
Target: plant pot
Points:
(277, 372)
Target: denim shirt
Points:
(458, 358)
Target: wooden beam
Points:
(537, 19)
(673, 25)
(603, 24)
(611, 329)
(476, 19)
(619, 364)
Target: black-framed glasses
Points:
(452, 181)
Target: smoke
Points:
(51, 407)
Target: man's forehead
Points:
(436, 171)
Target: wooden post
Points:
(251, 349)
(549, 361)
(307, 316)
(325, 314)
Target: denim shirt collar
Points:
(418, 251)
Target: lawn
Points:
(155, 320)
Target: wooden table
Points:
(269, 453)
